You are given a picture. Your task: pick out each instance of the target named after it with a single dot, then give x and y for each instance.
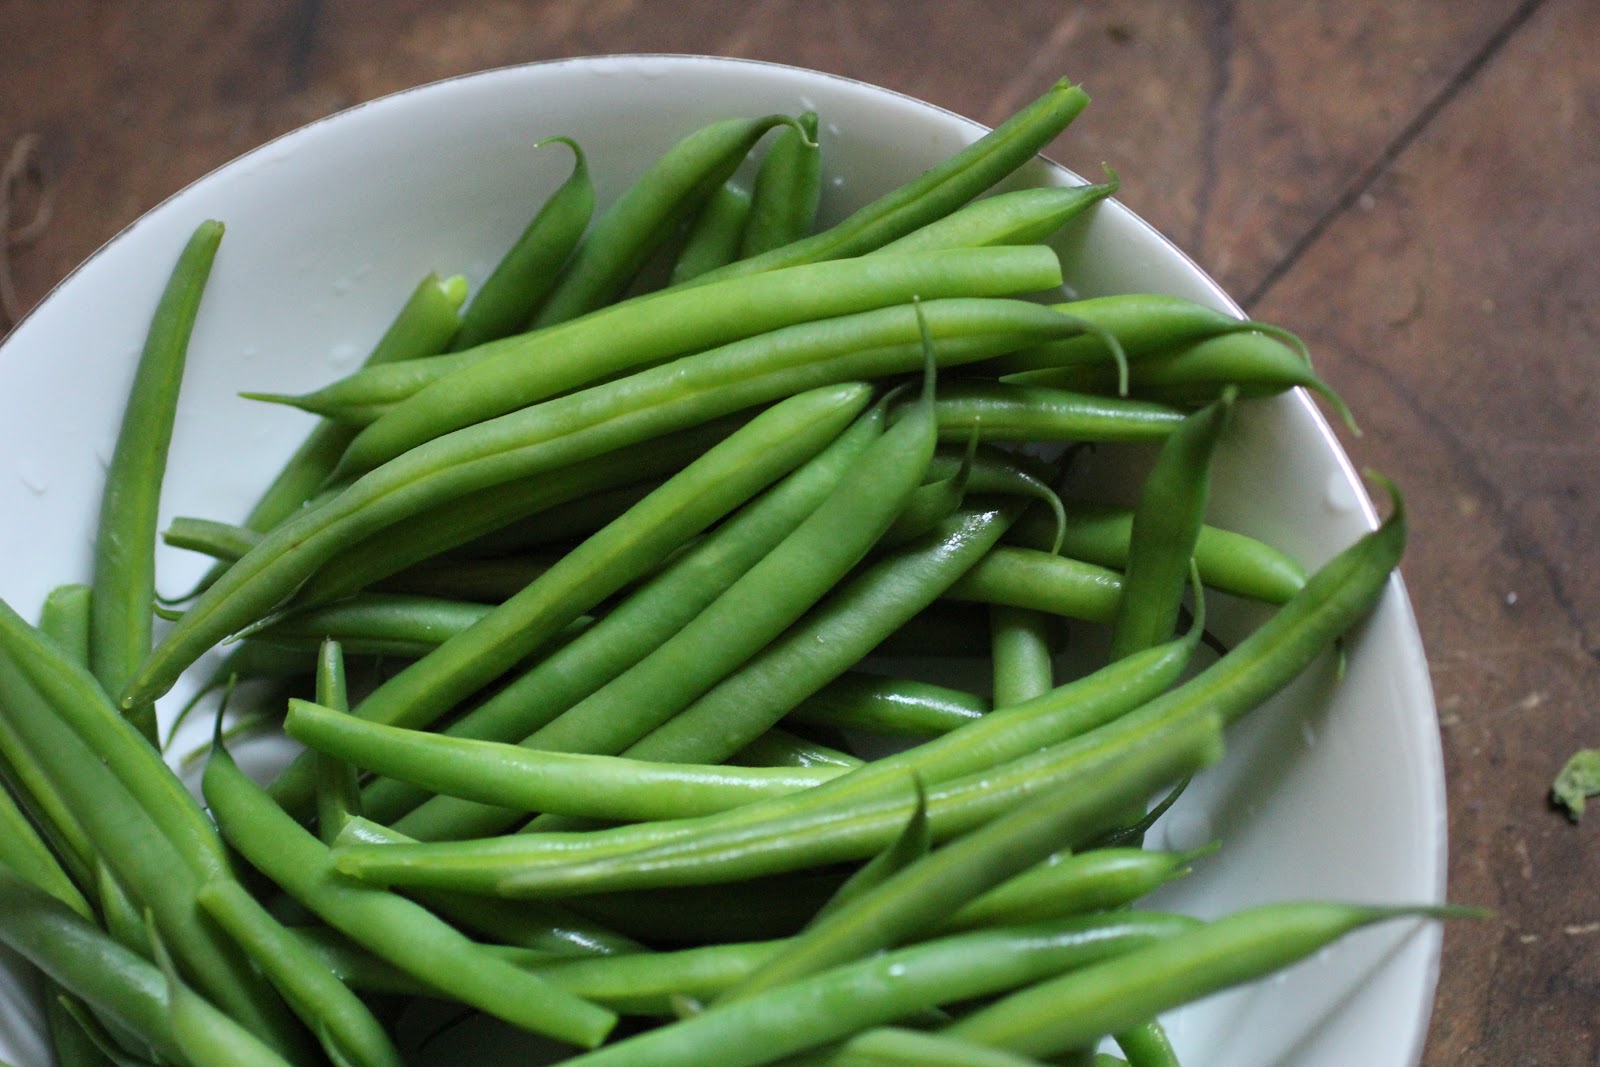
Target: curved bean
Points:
(897, 707)
(124, 579)
(788, 187)
(526, 274)
(713, 237)
(1020, 217)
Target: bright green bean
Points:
(1146, 1045)
(914, 899)
(525, 779)
(526, 274)
(125, 540)
(713, 237)
(787, 189)
(1041, 581)
(1096, 880)
(403, 933)
(1166, 525)
(1001, 412)
(881, 989)
(1114, 995)
(897, 707)
(643, 217)
(1021, 217)
(932, 194)
(647, 330)
(1024, 661)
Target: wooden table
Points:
(1414, 187)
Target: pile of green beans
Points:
(606, 610)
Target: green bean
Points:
(932, 194)
(23, 852)
(338, 794)
(501, 512)
(1144, 324)
(890, 1046)
(575, 427)
(373, 620)
(897, 707)
(644, 216)
(327, 1005)
(1114, 995)
(194, 1024)
(221, 541)
(837, 1003)
(788, 187)
(914, 899)
(1166, 525)
(125, 540)
(1097, 880)
(1021, 217)
(713, 237)
(638, 625)
(1255, 362)
(1228, 561)
(994, 470)
(139, 831)
(527, 273)
(874, 792)
(1041, 581)
(780, 748)
(631, 713)
(65, 619)
(1146, 1045)
(525, 779)
(647, 330)
(538, 926)
(912, 845)
(836, 634)
(1024, 662)
(1002, 412)
(77, 955)
(403, 933)
(68, 1024)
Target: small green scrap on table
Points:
(1578, 780)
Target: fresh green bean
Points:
(403, 933)
(891, 1046)
(23, 852)
(932, 194)
(77, 955)
(1041, 581)
(713, 237)
(65, 619)
(896, 707)
(337, 792)
(788, 187)
(328, 1007)
(1228, 561)
(575, 427)
(780, 748)
(1024, 662)
(1144, 324)
(1166, 525)
(914, 899)
(125, 540)
(194, 1024)
(525, 275)
(833, 637)
(837, 1003)
(1096, 880)
(873, 795)
(1021, 217)
(525, 779)
(631, 713)
(643, 217)
(644, 331)
(1114, 995)
(1001, 412)
(1146, 1045)
(646, 618)
(487, 517)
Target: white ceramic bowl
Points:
(1334, 791)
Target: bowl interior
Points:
(1334, 791)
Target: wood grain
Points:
(1413, 186)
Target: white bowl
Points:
(1335, 791)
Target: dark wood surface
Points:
(1414, 187)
